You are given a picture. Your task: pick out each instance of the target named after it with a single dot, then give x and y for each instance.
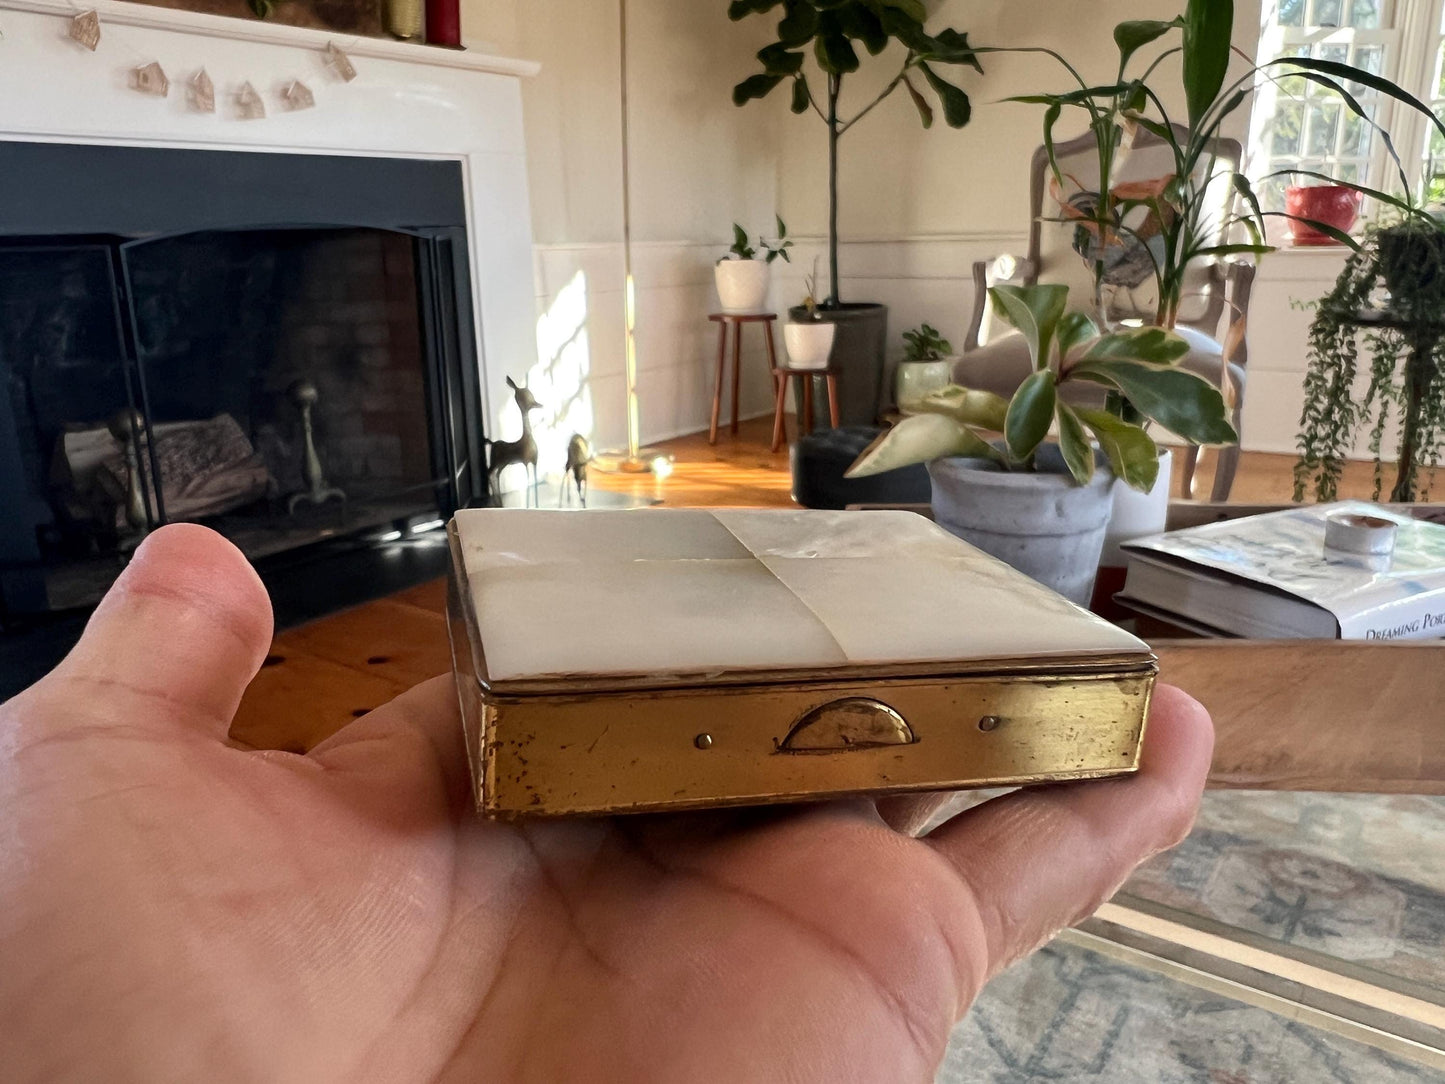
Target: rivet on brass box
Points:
(612, 662)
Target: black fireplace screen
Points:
(283, 384)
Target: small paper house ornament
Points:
(297, 95)
(151, 79)
(202, 92)
(85, 28)
(339, 63)
(249, 104)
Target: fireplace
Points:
(279, 346)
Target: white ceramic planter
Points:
(742, 285)
(915, 379)
(1039, 522)
(809, 343)
(1137, 514)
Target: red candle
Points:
(444, 23)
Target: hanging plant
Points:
(1390, 300)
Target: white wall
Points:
(697, 165)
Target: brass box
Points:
(655, 660)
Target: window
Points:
(1298, 124)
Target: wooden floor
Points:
(321, 675)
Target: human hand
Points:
(175, 908)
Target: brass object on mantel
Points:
(1063, 695)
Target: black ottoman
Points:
(819, 460)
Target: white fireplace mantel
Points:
(406, 101)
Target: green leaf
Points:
(1035, 311)
(1134, 34)
(835, 53)
(799, 25)
(980, 409)
(1372, 193)
(1133, 456)
(755, 86)
(782, 226)
(907, 30)
(917, 439)
(1245, 192)
(1030, 413)
(956, 107)
(1154, 345)
(741, 9)
(801, 98)
(1051, 118)
(1177, 399)
(777, 59)
(1075, 328)
(1207, 28)
(1074, 444)
(862, 25)
(920, 103)
(951, 47)
(1333, 232)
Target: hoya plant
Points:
(742, 249)
(832, 31)
(1139, 368)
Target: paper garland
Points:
(201, 92)
(297, 95)
(85, 28)
(249, 105)
(150, 78)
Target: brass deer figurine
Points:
(523, 450)
(579, 454)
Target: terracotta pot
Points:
(1333, 204)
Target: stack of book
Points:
(1272, 576)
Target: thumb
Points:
(177, 638)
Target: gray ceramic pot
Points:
(1039, 522)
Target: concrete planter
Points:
(742, 285)
(1039, 522)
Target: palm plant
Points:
(1191, 224)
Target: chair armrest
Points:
(987, 273)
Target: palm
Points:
(172, 904)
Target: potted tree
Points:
(742, 278)
(1390, 297)
(830, 30)
(1042, 506)
(926, 366)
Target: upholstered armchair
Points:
(1213, 308)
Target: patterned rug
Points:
(1067, 1014)
(1356, 877)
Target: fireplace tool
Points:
(125, 426)
(303, 393)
